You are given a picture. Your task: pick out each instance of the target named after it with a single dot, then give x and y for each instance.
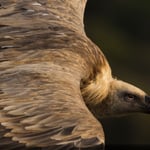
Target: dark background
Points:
(121, 28)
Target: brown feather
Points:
(45, 57)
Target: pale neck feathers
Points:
(97, 89)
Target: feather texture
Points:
(43, 64)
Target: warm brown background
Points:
(122, 30)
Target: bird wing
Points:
(41, 106)
(40, 99)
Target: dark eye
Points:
(129, 97)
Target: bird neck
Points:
(97, 89)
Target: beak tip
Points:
(147, 100)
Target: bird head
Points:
(125, 98)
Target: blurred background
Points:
(121, 28)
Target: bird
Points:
(55, 83)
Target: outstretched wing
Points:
(41, 106)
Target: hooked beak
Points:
(147, 104)
(147, 100)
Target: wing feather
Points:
(42, 63)
(44, 112)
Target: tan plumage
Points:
(49, 73)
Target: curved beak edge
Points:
(147, 104)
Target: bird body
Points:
(54, 81)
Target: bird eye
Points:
(129, 97)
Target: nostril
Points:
(147, 99)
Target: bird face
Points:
(126, 98)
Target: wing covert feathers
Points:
(43, 60)
(42, 111)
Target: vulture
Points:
(55, 83)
